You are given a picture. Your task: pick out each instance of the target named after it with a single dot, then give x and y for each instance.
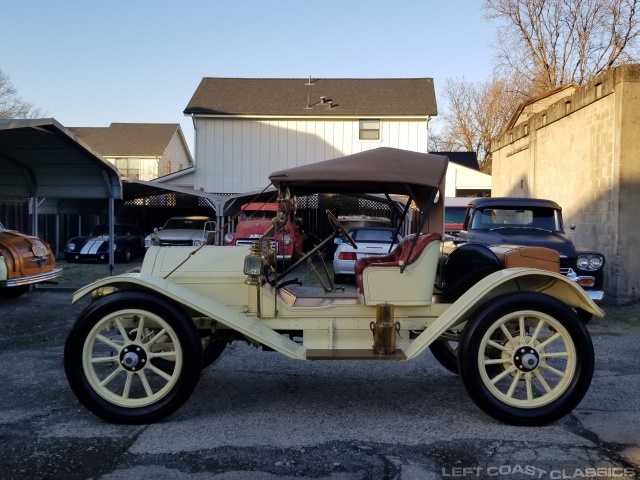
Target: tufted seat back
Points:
(393, 259)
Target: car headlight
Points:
(147, 242)
(286, 240)
(71, 246)
(228, 238)
(590, 262)
(197, 243)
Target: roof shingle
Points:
(303, 97)
(128, 139)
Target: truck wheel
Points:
(14, 292)
(545, 354)
(117, 353)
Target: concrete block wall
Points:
(584, 153)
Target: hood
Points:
(257, 226)
(180, 234)
(527, 237)
(96, 238)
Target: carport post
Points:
(111, 252)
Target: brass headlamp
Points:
(253, 265)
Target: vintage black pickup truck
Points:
(529, 222)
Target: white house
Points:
(246, 128)
(143, 151)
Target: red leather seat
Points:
(393, 259)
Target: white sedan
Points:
(371, 241)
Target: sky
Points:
(90, 63)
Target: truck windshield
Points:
(184, 224)
(258, 214)
(533, 217)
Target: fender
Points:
(498, 283)
(190, 300)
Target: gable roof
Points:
(128, 139)
(563, 90)
(466, 159)
(304, 97)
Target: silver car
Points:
(182, 231)
(371, 241)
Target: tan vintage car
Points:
(24, 261)
(135, 354)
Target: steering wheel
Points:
(340, 230)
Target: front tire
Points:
(114, 354)
(544, 352)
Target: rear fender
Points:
(499, 283)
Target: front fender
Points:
(499, 283)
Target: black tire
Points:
(125, 256)
(163, 332)
(446, 355)
(584, 315)
(530, 401)
(14, 292)
(212, 351)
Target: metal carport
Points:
(41, 159)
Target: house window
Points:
(128, 167)
(369, 130)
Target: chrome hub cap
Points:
(526, 359)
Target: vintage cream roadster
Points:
(135, 354)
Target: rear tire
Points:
(544, 352)
(111, 352)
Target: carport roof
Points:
(41, 158)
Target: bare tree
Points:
(553, 42)
(13, 106)
(475, 113)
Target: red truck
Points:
(255, 220)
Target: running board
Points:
(351, 354)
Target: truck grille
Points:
(246, 242)
(175, 243)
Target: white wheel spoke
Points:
(113, 359)
(166, 355)
(107, 341)
(127, 385)
(503, 374)
(496, 361)
(527, 380)
(123, 331)
(145, 383)
(493, 344)
(537, 331)
(158, 336)
(140, 329)
(522, 330)
(552, 370)
(514, 384)
(113, 375)
(549, 340)
(507, 334)
(542, 381)
(554, 355)
(159, 372)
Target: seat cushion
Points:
(393, 259)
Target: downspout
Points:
(428, 119)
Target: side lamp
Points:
(253, 265)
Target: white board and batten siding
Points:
(237, 155)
